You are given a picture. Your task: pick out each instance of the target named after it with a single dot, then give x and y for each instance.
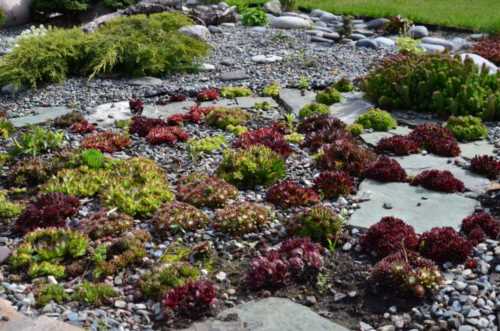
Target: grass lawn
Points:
(480, 15)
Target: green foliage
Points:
(237, 130)
(137, 45)
(46, 7)
(81, 182)
(93, 158)
(221, 117)
(94, 294)
(206, 145)
(344, 85)
(435, 83)
(288, 5)
(6, 128)
(377, 119)
(254, 17)
(45, 252)
(295, 138)
(119, 4)
(9, 209)
(355, 129)
(242, 218)
(257, 165)
(232, 92)
(36, 141)
(272, 90)
(156, 283)
(329, 96)
(314, 109)
(262, 105)
(319, 223)
(408, 45)
(303, 83)
(51, 292)
(467, 128)
(3, 18)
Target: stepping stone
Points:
(271, 314)
(349, 109)
(416, 163)
(233, 75)
(107, 114)
(293, 100)
(164, 111)
(41, 115)
(249, 102)
(220, 103)
(419, 207)
(146, 81)
(373, 138)
(481, 147)
(19, 322)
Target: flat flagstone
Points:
(416, 163)
(349, 109)
(270, 314)
(372, 138)
(220, 103)
(293, 100)
(249, 102)
(164, 111)
(481, 147)
(41, 115)
(419, 207)
(107, 114)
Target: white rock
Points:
(197, 31)
(206, 67)
(418, 31)
(273, 7)
(385, 42)
(432, 49)
(480, 61)
(290, 22)
(438, 41)
(266, 59)
(221, 276)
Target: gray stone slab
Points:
(294, 100)
(270, 314)
(373, 138)
(220, 103)
(481, 147)
(41, 115)
(249, 102)
(350, 108)
(416, 163)
(421, 208)
(106, 114)
(164, 111)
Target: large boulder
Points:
(480, 62)
(196, 31)
(290, 22)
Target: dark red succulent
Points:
(388, 236)
(208, 95)
(191, 300)
(481, 226)
(290, 194)
(106, 141)
(177, 98)
(166, 134)
(489, 48)
(47, 210)
(443, 245)
(320, 122)
(316, 139)
(136, 105)
(436, 139)
(332, 184)
(345, 155)
(386, 169)
(437, 180)
(268, 137)
(269, 272)
(141, 125)
(82, 127)
(485, 165)
(398, 145)
(176, 119)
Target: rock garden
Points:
(246, 166)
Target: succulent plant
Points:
(320, 223)
(136, 105)
(269, 137)
(385, 169)
(82, 127)
(377, 119)
(106, 141)
(332, 184)
(467, 128)
(206, 145)
(202, 190)
(141, 125)
(435, 139)
(437, 180)
(37, 141)
(6, 128)
(344, 85)
(208, 95)
(67, 120)
(398, 145)
(94, 294)
(290, 194)
(9, 209)
(485, 165)
(444, 245)
(221, 117)
(174, 217)
(489, 48)
(242, 218)
(232, 92)
(480, 226)
(272, 90)
(106, 224)
(156, 283)
(193, 299)
(314, 109)
(345, 155)
(329, 96)
(166, 134)
(320, 122)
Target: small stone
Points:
(418, 31)
(311, 300)
(221, 276)
(197, 31)
(367, 43)
(120, 304)
(51, 280)
(290, 22)
(347, 246)
(206, 67)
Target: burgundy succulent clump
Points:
(489, 48)
(485, 165)
(320, 122)
(386, 169)
(191, 300)
(345, 155)
(197, 113)
(176, 119)
(297, 260)
(388, 236)
(481, 226)
(107, 141)
(406, 274)
(177, 98)
(268, 137)
(82, 127)
(136, 105)
(316, 139)
(398, 145)
(141, 125)
(437, 180)
(436, 139)
(202, 190)
(444, 244)
(166, 134)
(47, 210)
(332, 184)
(208, 95)
(290, 194)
